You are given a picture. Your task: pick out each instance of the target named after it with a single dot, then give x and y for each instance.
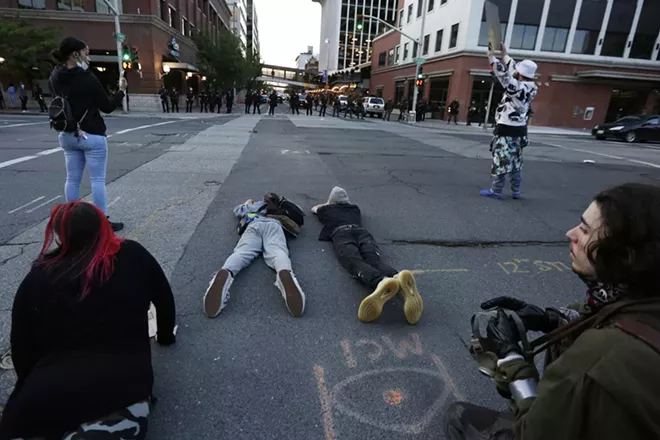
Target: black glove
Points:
(502, 336)
(533, 317)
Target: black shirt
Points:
(79, 360)
(85, 94)
(335, 215)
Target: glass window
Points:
(397, 57)
(32, 4)
(647, 31)
(382, 58)
(585, 42)
(164, 11)
(554, 39)
(653, 121)
(102, 8)
(442, 2)
(588, 26)
(524, 37)
(618, 27)
(410, 11)
(414, 52)
(438, 40)
(400, 18)
(453, 38)
(405, 51)
(425, 49)
(483, 33)
(390, 57)
(420, 6)
(560, 14)
(431, 2)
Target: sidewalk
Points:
(182, 115)
(438, 124)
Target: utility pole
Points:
(115, 10)
(490, 101)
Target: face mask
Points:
(83, 65)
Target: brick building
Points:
(161, 29)
(596, 58)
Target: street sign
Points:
(419, 61)
(121, 37)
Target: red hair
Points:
(86, 243)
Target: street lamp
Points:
(166, 69)
(2, 60)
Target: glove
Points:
(165, 339)
(533, 317)
(502, 336)
(511, 371)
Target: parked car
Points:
(630, 129)
(374, 106)
(303, 100)
(343, 102)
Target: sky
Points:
(286, 28)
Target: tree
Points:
(26, 48)
(221, 59)
(251, 70)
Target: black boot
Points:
(116, 226)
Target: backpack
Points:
(61, 115)
(278, 205)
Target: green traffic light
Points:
(126, 57)
(359, 26)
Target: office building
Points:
(252, 28)
(342, 43)
(597, 58)
(303, 58)
(239, 20)
(161, 30)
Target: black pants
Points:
(271, 110)
(322, 111)
(308, 110)
(454, 116)
(42, 105)
(24, 103)
(203, 108)
(228, 108)
(295, 110)
(358, 253)
(166, 106)
(211, 107)
(247, 108)
(465, 421)
(256, 107)
(189, 106)
(175, 105)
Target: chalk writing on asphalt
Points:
(527, 266)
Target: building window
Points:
(554, 39)
(102, 8)
(647, 31)
(618, 28)
(588, 27)
(71, 5)
(453, 38)
(431, 4)
(414, 53)
(524, 37)
(425, 48)
(405, 51)
(173, 18)
(32, 4)
(410, 11)
(483, 33)
(442, 2)
(397, 57)
(438, 40)
(401, 18)
(390, 57)
(584, 42)
(420, 6)
(382, 59)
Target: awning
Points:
(180, 66)
(614, 74)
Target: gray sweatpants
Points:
(266, 237)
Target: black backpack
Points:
(277, 205)
(61, 115)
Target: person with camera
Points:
(602, 374)
(83, 134)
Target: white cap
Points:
(527, 68)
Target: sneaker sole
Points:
(213, 296)
(413, 305)
(372, 306)
(294, 300)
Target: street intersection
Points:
(255, 372)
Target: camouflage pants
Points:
(465, 421)
(128, 424)
(507, 154)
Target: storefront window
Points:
(647, 31)
(588, 26)
(32, 4)
(554, 39)
(438, 90)
(618, 28)
(71, 5)
(398, 91)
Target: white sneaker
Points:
(217, 294)
(293, 295)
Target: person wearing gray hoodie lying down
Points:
(358, 253)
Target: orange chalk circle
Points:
(393, 397)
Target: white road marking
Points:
(641, 162)
(645, 163)
(51, 151)
(113, 202)
(15, 161)
(43, 204)
(22, 125)
(26, 205)
(128, 130)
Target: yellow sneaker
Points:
(413, 305)
(372, 306)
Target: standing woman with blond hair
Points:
(84, 142)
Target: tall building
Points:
(303, 58)
(252, 28)
(161, 30)
(342, 44)
(596, 58)
(239, 20)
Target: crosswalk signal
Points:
(134, 54)
(419, 82)
(359, 24)
(420, 74)
(126, 65)
(125, 54)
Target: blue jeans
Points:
(79, 151)
(498, 182)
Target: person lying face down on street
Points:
(80, 334)
(261, 233)
(358, 253)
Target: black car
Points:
(630, 129)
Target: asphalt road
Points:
(257, 373)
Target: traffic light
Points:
(126, 54)
(134, 54)
(359, 24)
(420, 74)
(419, 82)
(126, 65)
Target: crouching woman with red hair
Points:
(79, 336)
